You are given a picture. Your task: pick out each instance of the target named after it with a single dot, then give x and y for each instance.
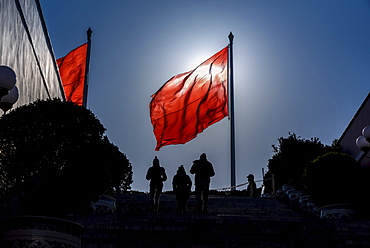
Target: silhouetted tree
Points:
(291, 157)
(55, 158)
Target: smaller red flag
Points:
(190, 102)
(72, 70)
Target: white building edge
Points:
(25, 47)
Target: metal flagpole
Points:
(86, 83)
(231, 110)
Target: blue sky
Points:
(299, 66)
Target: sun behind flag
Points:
(190, 102)
(72, 69)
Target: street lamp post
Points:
(8, 91)
(363, 141)
(8, 100)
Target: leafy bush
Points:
(334, 178)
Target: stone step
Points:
(231, 222)
(170, 230)
(217, 205)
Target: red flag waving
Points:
(72, 69)
(190, 102)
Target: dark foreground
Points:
(232, 221)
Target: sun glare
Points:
(197, 60)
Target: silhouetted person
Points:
(181, 184)
(203, 171)
(157, 175)
(252, 188)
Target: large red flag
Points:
(72, 70)
(190, 102)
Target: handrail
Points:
(262, 180)
(334, 205)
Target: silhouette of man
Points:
(157, 175)
(181, 184)
(203, 171)
(252, 188)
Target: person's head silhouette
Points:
(155, 161)
(181, 170)
(203, 156)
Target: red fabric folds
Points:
(72, 70)
(190, 102)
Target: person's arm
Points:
(174, 183)
(164, 175)
(193, 169)
(190, 183)
(148, 174)
(212, 171)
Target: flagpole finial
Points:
(89, 32)
(231, 38)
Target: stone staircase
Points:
(232, 221)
